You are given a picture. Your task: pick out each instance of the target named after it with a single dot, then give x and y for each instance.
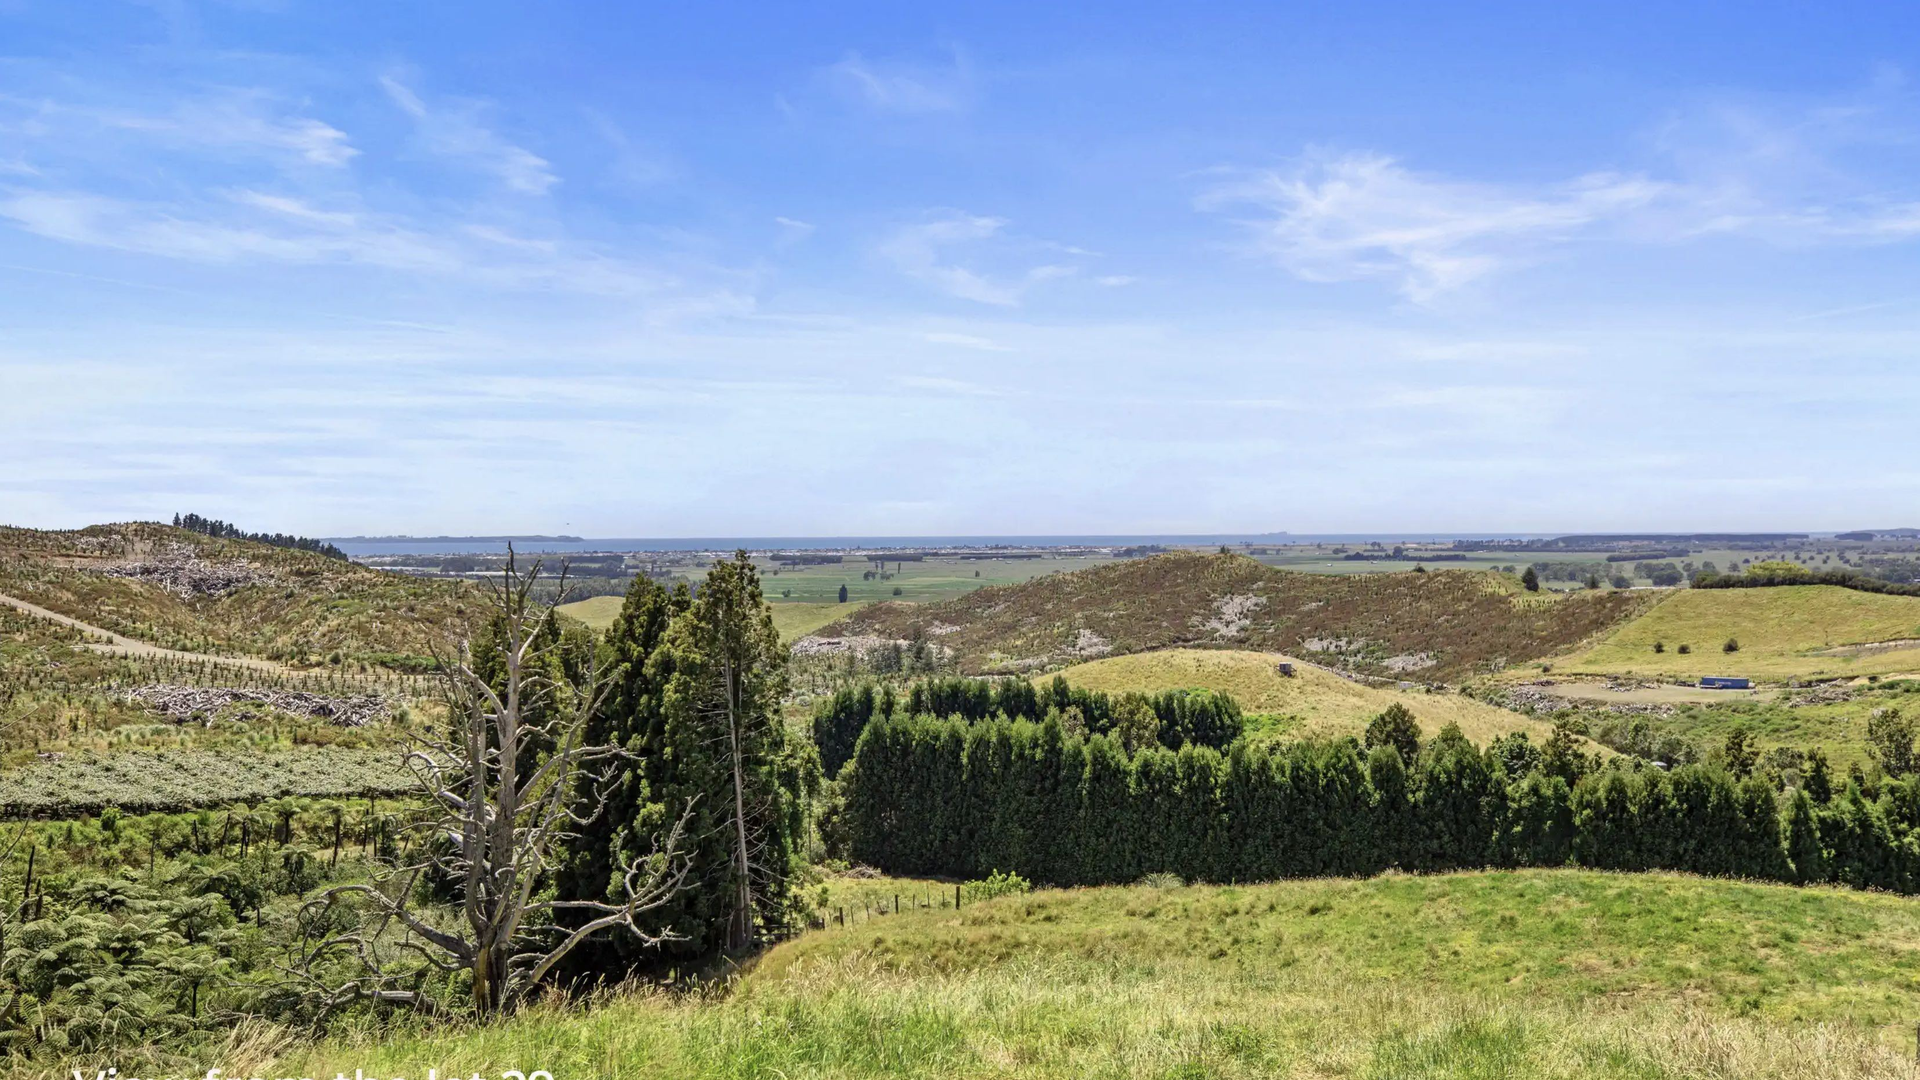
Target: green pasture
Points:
(1551, 973)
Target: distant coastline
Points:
(361, 546)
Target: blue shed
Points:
(1722, 682)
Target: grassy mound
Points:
(596, 611)
(1324, 703)
(793, 619)
(1533, 974)
(1794, 631)
(294, 605)
(1429, 627)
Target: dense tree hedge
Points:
(1767, 578)
(947, 797)
(1202, 717)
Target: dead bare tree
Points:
(504, 782)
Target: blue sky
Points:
(713, 269)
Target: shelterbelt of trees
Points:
(1171, 718)
(1781, 572)
(927, 796)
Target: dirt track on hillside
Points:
(120, 645)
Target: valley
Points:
(195, 722)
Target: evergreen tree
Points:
(1740, 753)
(641, 796)
(1395, 728)
(1135, 723)
(722, 709)
(1531, 580)
(843, 594)
(1816, 779)
(1890, 737)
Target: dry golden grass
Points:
(1325, 703)
(793, 619)
(1793, 631)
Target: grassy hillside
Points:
(1795, 631)
(1431, 626)
(239, 598)
(596, 611)
(796, 620)
(792, 619)
(1324, 703)
(1512, 975)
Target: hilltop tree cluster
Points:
(221, 530)
(1779, 572)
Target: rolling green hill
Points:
(1324, 703)
(177, 589)
(1553, 973)
(1415, 626)
(1788, 632)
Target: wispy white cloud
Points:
(917, 251)
(793, 230)
(455, 131)
(635, 165)
(1787, 172)
(256, 227)
(921, 251)
(942, 385)
(1114, 281)
(905, 88)
(964, 341)
(244, 120)
(1365, 216)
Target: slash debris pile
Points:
(186, 575)
(181, 704)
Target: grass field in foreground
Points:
(1325, 703)
(791, 619)
(1556, 973)
(1794, 631)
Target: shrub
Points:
(994, 885)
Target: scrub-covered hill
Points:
(1424, 627)
(178, 589)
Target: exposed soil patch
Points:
(1871, 648)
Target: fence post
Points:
(896, 903)
(956, 898)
